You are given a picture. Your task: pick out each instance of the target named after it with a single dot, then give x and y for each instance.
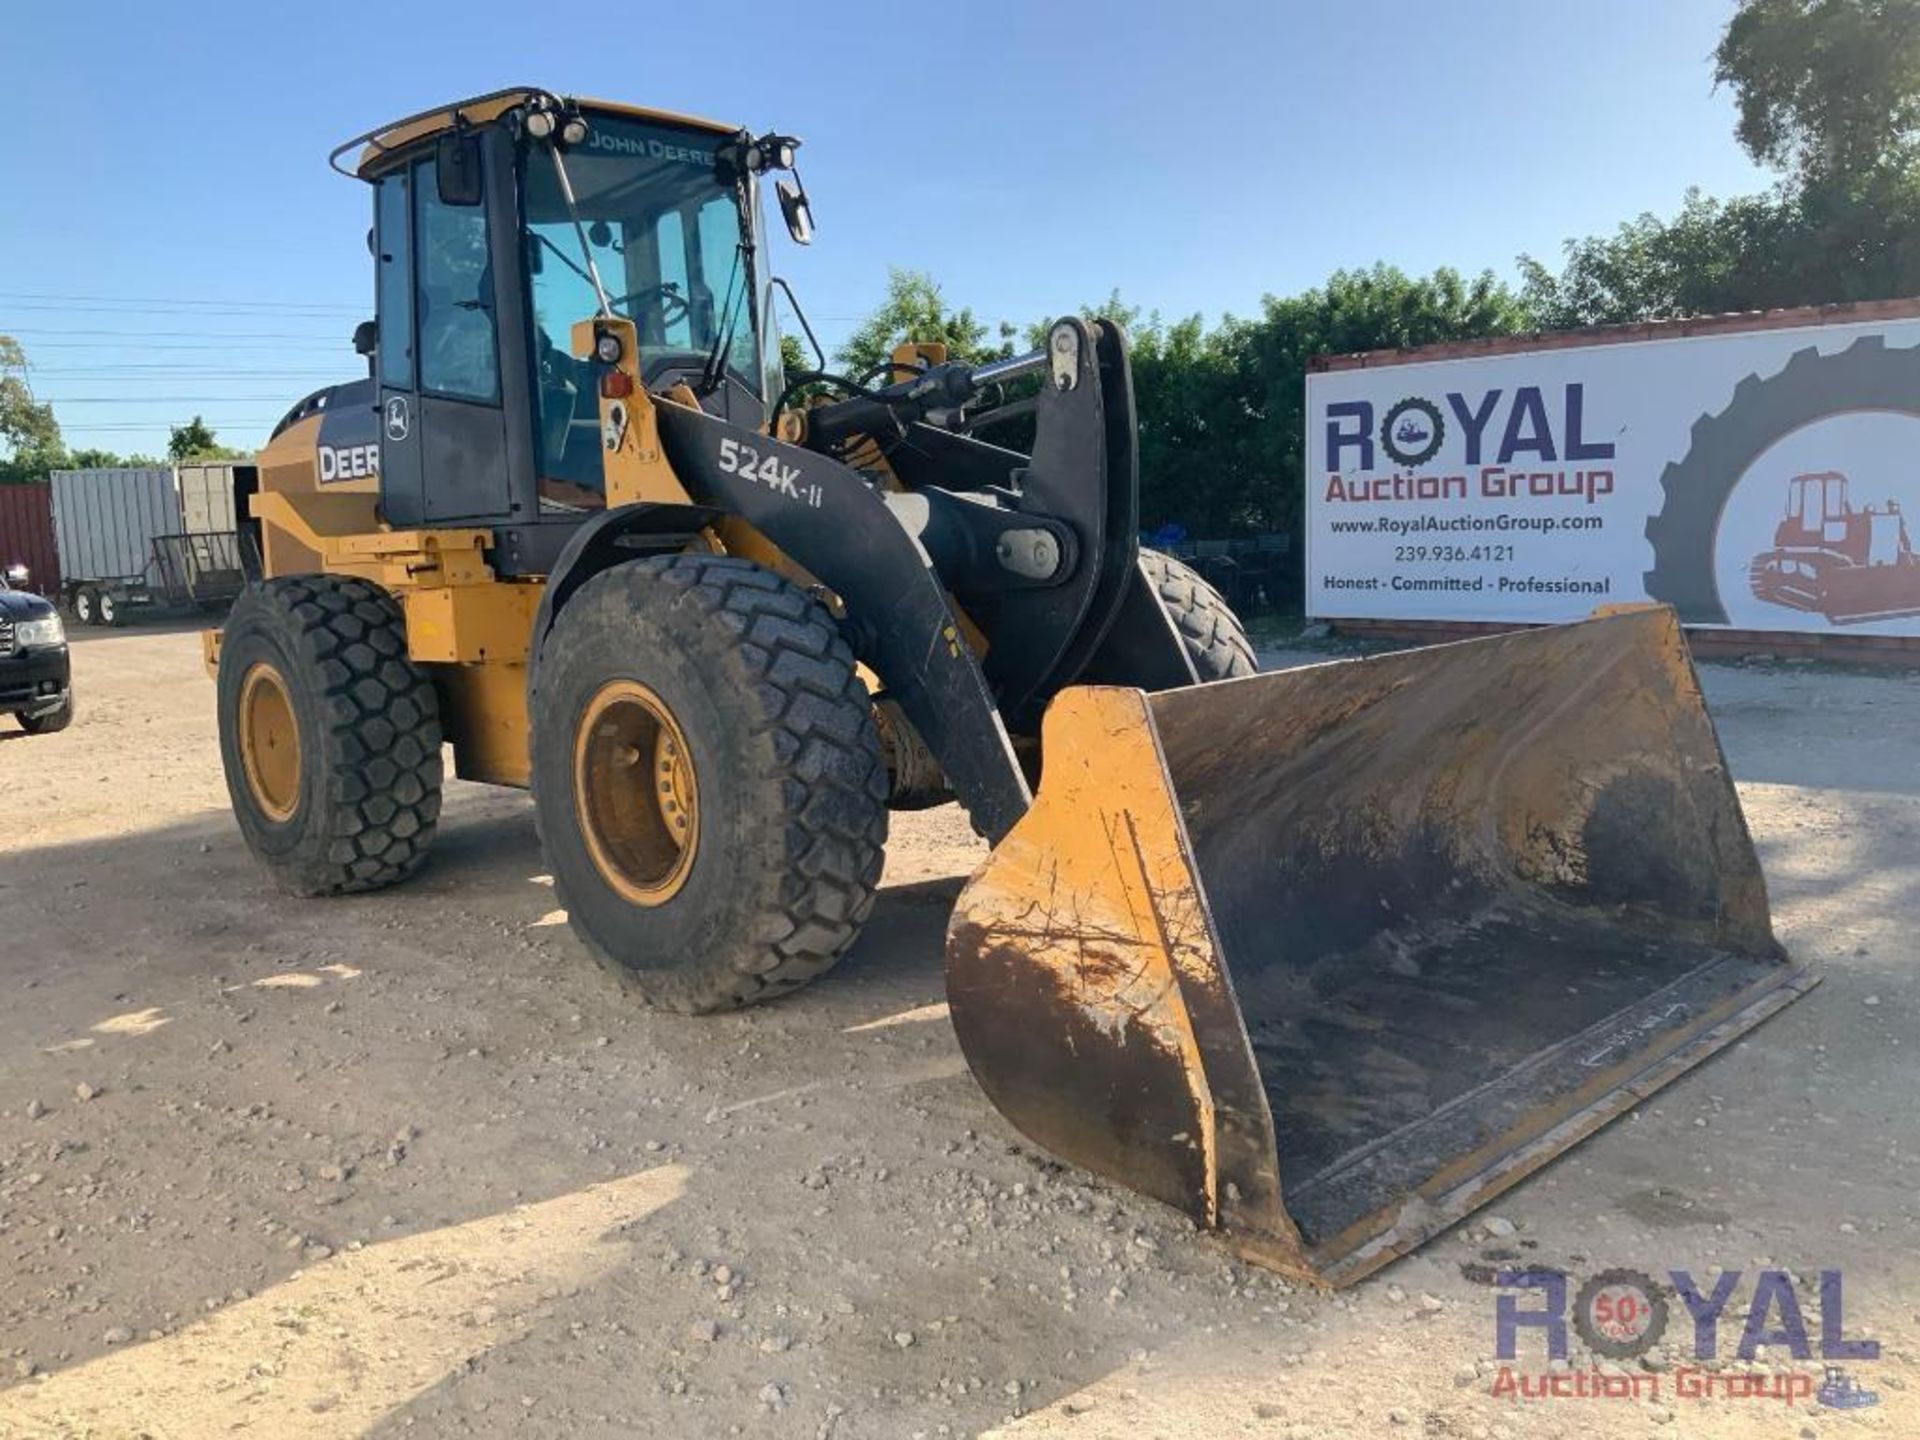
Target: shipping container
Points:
(142, 539)
(26, 535)
(206, 496)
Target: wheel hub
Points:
(635, 793)
(269, 742)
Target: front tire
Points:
(708, 780)
(86, 605)
(107, 610)
(1216, 641)
(49, 722)
(329, 734)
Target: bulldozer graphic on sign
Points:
(1850, 565)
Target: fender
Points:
(643, 528)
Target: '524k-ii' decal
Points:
(745, 461)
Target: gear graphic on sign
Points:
(1412, 432)
(1867, 375)
(1634, 1317)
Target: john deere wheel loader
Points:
(1324, 958)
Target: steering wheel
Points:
(673, 305)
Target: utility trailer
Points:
(146, 540)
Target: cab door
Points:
(442, 427)
(398, 396)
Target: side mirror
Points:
(796, 211)
(366, 337)
(456, 168)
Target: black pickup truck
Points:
(36, 684)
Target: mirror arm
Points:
(819, 355)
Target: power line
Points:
(125, 335)
(194, 312)
(162, 399)
(230, 426)
(315, 345)
(192, 372)
(183, 300)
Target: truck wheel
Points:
(86, 605)
(47, 722)
(707, 780)
(107, 609)
(329, 734)
(1215, 639)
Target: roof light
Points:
(540, 123)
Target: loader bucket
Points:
(1328, 957)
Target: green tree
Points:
(95, 458)
(1713, 256)
(1222, 446)
(29, 435)
(1828, 93)
(195, 440)
(915, 310)
(1828, 90)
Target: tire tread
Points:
(383, 769)
(824, 777)
(1214, 637)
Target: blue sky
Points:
(166, 163)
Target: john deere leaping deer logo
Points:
(1848, 565)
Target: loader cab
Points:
(484, 415)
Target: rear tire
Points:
(1216, 641)
(749, 871)
(329, 734)
(108, 610)
(48, 722)
(86, 605)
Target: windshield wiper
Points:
(561, 255)
(715, 368)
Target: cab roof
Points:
(378, 143)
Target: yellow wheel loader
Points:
(1324, 958)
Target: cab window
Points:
(458, 350)
(393, 238)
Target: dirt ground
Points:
(409, 1162)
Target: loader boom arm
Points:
(1040, 550)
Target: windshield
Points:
(664, 233)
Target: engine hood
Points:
(23, 605)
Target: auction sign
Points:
(1753, 472)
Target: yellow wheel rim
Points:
(269, 741)
(634, 791)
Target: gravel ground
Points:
(409, 1162)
